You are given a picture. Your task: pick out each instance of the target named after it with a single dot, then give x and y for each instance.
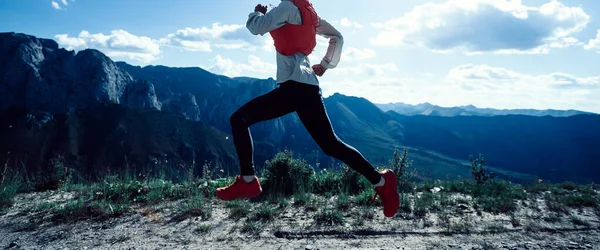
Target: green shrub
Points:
(329, 217)
(285, 175)
(553, 217)
(402, 167)
(264, 212)
(424, 204)
(195, 206)
(580, 200)
(364, 198)
(343, 202)
(463, 187)
(579, 222)
(555, 204)
(405, 205)
(238, 209)
(327, 182)
(478, 169)
(498, 196)
(302, 198)
(8, 191)
(568, 185)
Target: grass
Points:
(329, 217)
(264, 212)
(311, 193)
(238, 209)
(203, 228)
(579, 222)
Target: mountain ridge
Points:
(427, 108)
(439, 143)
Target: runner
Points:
(294, 24)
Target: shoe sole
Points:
(394, 181)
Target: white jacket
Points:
(296, 67)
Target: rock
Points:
(37, 75)
(588, 245)
(309, 247)
(13, 244)
(463, 206)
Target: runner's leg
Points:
(313, 115)
(276, 103)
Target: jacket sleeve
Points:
(336, 42)
(285, 12)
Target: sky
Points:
(505, 54)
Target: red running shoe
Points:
(239, 189)
(390, 199)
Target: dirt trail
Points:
(153, 227)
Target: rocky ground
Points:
(29, 224)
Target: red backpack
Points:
(291, 39)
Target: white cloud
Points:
(253, 67)
(594, 44)
(232, 36)
(65, 2)
(353, 54)
(479, 85)
(484, 85)
(119, 44)
(55, 5)
(487, 77)
(477, 26)
(347, 23)
(366, 69)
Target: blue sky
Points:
(490, 53)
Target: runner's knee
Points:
(334, 148)
(238, 120)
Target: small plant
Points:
(343, 202)
(580, 200)
(478, 169)
(405, 203)
(329, 217)
(498, 196)
(302, 198)
(514, 221)
(402, 167)
(203, 228)
(264, 212)
(423, 204)
(9, 185)
(579, 222)
(195, 206)
(284, 175)
(251, 227)
(364, 198)
(553, 217)
(554, 204)
(238, 209)
(568, 185)
(495, 228)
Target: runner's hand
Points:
(319, 69)
(261, 9)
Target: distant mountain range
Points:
(110, 116)
(470, 110)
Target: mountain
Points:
(110, 116)
(37, 75)
(83, 107)
(519, 147)
(470, 110)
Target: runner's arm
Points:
(285, 12)
(336, 42)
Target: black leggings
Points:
(306, 100)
